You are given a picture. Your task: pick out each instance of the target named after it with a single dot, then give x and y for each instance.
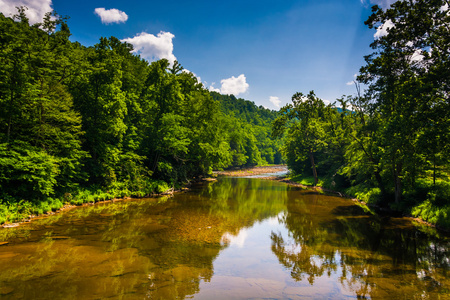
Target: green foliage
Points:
(365, 193)
(305, 180)
(27, 171)
(248, 132)
(306, 120)
(408, 85)
(429, 212)
(389, 144)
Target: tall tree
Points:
(306, 134)
(409, 82)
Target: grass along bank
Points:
(12, 211)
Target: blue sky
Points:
(258, 50)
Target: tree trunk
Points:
(398, 182)
(8, 134)
(11, 101)
(155, 163)
(434, 170)
(313, 166)
(380, 183)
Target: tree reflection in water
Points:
(371, 257)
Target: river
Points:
(236, 238)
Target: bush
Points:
(439, 194)
(433, 214)
(365, 193)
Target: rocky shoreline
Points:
(253, 171)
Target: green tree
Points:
(409, 83)
(306, 134)
(38, 121)
(102, 104)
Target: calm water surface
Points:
(237, 238)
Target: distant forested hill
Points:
(254, 123)
(244, 109)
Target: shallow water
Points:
(236, 238)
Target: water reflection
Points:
(369, 257)
(235, 238)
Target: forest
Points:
(389, 144)
(84, 124)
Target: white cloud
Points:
(353, 81)
(36, 8)
(383, 29)
(235, 240)
(326, 102)
(112, 15)
(381, 3)
(231, 85)
(417, 56)
(153, 47)
(234, 85)
(275, 101)
(213, 89)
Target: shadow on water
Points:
(353, 210)
(235, 238)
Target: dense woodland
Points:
(82, 124)
(390, 143)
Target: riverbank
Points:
(259, 172)
(383, 211)
(254, 171)
(23, 212)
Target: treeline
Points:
(390, 144)
(81, 124)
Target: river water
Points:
(236, 238)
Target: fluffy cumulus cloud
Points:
(35, 12)
(233, 85)
(383, 29)
(112, 15)
(275, 101)
(153, 47)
